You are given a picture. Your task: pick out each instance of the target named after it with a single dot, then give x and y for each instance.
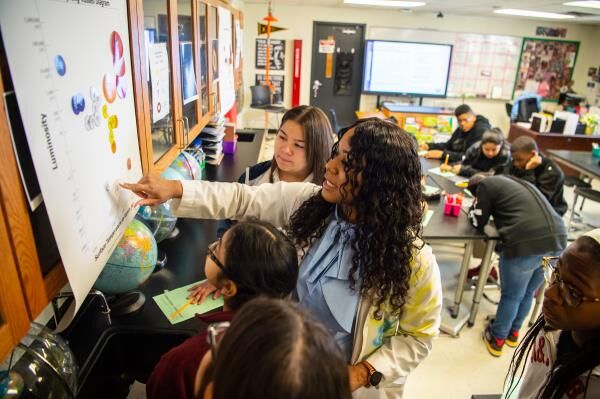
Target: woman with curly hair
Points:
(365, 272)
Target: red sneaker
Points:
(513, 339)
(493, 344)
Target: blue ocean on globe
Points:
(132, 261)
(172, 174)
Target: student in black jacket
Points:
(528, 164)
(470, 129)
(529, 228)
(491, 154)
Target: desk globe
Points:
(187, 166)
(159, 219)
(132, 261)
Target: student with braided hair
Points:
(562, 349)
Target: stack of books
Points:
(212, 140)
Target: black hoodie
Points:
(548, 178)
(525, 220)
(460, 141)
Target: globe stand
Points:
(127, 303)
(161, 260)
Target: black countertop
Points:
(185, 264)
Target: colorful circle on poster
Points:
(59, 65)
(128, 163)
(105, 111)
(119, 67)
(109, 87)
(121, 87)
(113, 147)
(113, 122)
(77, 103)
(116, 46)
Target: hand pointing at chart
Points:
(153, 190)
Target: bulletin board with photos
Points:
(546, 66)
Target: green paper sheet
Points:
(172, 300)
(426, 217)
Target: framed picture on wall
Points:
(545, 67)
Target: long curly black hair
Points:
(388, 208)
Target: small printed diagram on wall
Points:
(546, 67)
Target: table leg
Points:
(483, 275)
(462, 277)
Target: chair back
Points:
(527, 106)
(334, 121)
(261, 96)
(508, 109)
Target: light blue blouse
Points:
(323, 287)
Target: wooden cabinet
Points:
(172, 59)
(184, 33)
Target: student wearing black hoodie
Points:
(528, 164)
(529, 229)
(470, 129)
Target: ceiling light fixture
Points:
(386, 3)
(587, 4)
(533, 14)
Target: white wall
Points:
(299, 23)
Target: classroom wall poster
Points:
(158, 58)
(226, 80)
(277, 54)
(76, 103)
(188, 74)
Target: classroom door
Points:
(337, 69)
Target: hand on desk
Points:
(434, 154)
(153, 190)
(450, 168)
(201, 291)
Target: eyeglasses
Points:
(213, 256)
(570, 295)
(214, 334)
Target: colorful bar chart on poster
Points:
(76, 102)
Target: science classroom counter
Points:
(186, 254)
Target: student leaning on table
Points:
(364, 267)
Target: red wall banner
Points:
(296, 73)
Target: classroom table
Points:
(581, 161)
(443, 228)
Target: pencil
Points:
(181, 309)
(446, 161)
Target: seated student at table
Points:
(564, 342)
(469, 131)
(252, 259)
(528, 164)
(301, 149)
(273, 350)
(491, 154)
(529, 229)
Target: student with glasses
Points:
(562, 349)
(272, 350)
(365, 273)
(252, 259)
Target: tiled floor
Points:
(460, 367)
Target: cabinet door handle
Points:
(186, 130)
